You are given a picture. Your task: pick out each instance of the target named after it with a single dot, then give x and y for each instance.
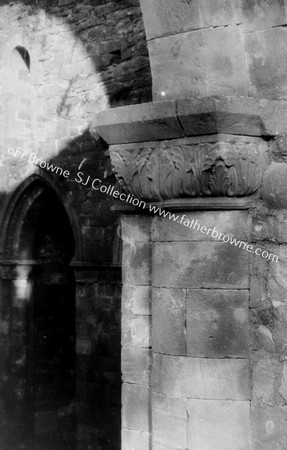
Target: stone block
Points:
(169, 422)
(217, 323)
(216, 13)
(136, 264)
(168, 321)
(219, 425)
(135, 440)
(269, 427)
(136, 365)
(135, 407)
(200, 265)
(279, 332)
(173, 56)
(219, 379)
(283, 385)
(166, 17)
(274, 186)
(136, 300)
(264, 339)
(233, 115)
(262, 14)
(267, 63)
(264, 373)
(135, 228)
(274, 226)
(137, 123)
(226, 69)
(277, 276)
(233, 223)
(136, 331)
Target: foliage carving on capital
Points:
(156, 172)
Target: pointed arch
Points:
(17, 208)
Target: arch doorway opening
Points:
(43, 323)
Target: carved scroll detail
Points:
(158, 172)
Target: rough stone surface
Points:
(269, 423)
(135, 228)
(197, 116)
(169, 419)
(139, 123)
(166, 17)
(136, 264)
(262, 14)
(219, 425)
(267, 65)
(136, 300)
(216, 13)
(168, 321)
(172, 55)
(274, 188)
(136, 331)
(226, 70)
(179, 376)
(233, 223)
(217, 323)
(136, 365)
(135, 407)
(135, 440)
(200, 265)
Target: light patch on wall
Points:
(51, 89)
(22, 284)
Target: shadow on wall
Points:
(65, 61)
(45, 222)
(111, 33)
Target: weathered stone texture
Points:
(200, 323)
(166, 17)
(172, 55)
(136, 365)
(269, 424)
(217, 323)
(219, 425)
(200, 265)
(261, 14)
(235, 223)
(136, 331)
(135, 407)
(136, 300)
(135, 440)
(267, 65)
(274, 188)
(182, 377)
(136, 264)
(169, 417)
(168, 321)
(241, 52)
(226, 70)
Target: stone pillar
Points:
(200, 373)
(136, 332)
(202, 163)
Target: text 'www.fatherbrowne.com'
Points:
(97, 185)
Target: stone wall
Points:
(217, 47)
(62, 61)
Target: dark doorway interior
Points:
(50, 327)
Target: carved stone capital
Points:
(211, 166)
